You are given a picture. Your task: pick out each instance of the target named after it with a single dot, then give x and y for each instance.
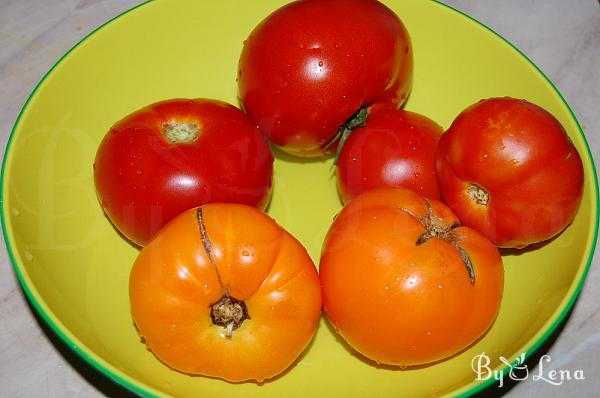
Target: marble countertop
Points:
(561, 37)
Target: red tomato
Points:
(508, 169)
(403, 282)
(177, 154)
(311, 65)
(224, 291)
(394, 148)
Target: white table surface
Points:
(561, 36)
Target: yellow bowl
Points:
(74, 267)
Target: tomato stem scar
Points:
(437, 228)
(478, 194)
(228, 312)
(358, 119)
(180, 133)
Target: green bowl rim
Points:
(147, 391)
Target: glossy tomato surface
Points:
(403, 283)
(177, 154)
(394, 148)
(312, 64)
(224, 291)
(508, 169)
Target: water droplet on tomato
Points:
(515, 161)
(245, 253)
(139, 172)
(320, 63)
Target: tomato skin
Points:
(394, 148)
(522, 157)
(143, 180)
(173, 284)
(402, 303)
(311, 64)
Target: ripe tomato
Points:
(224, 291)
(403, 282)
(394, 148)
(177, 154)
(312, 64)
(507, 168)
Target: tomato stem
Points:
(358, 119)
(437, 228)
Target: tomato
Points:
(507, 168)
(403, 283)
(223, 291)
(311, 65)
(394, 148)
(177, 154)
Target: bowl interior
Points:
(74, 267)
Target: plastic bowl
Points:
(74, 267)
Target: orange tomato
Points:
(224, 291)
(403, 282)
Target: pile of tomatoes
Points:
(410, 271)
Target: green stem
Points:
(359, 119)
(436, 228)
